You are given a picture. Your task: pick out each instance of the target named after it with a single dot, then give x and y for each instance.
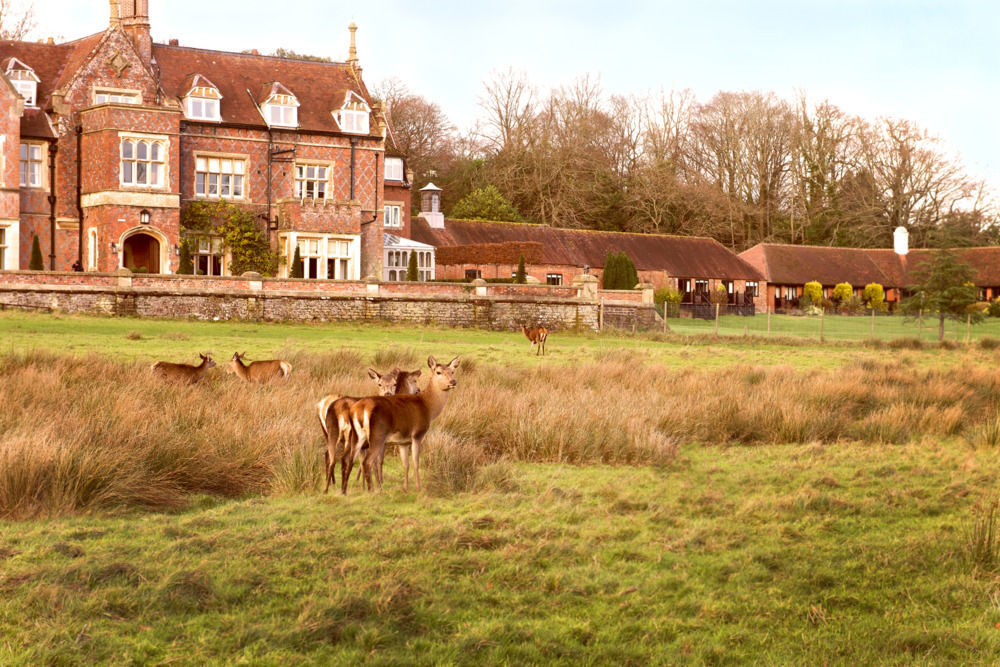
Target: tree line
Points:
(741, 167)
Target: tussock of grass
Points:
(983, 545)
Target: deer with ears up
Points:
(401, 419)
(185, 373)
(258, 371)
(334, 412)
(537, 336)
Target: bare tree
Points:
(17, 19)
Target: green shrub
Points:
(993, 310)
(852, 305)
(411, 268)
(36, 263)
(813, 291)
(669, 299)
(520, 277)
(184, 265)
(296, 269)
(874, 297)
(842, 292)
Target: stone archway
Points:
(141, 251)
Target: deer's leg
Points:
(415, 455)
(347, 456)
(404, 458)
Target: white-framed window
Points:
(144, 161)
(92, 249)
(115, 97)
(752, 288)
(219, 177)
(207, 255)
(701, 286)
(553, 279)
(282, 110)
(393, 215)
(311, 181)
(202, 103)
(25, 81)
(353, 115)
(309, 253)
(394, 169)
(3, 247)
(790, 293)
(32, 158)
(398, 262)
(338, 259)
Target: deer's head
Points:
(207, 360)
(406, 382)
(443, 375)
(386, 383)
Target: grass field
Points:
(766, 501)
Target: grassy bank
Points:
(773, 554)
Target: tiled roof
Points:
(796, 264)
(679, 256)
(246, 80)
(47, 61)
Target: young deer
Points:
(334, 410)
(403, 419)
(537, 336)
(258, 371)
(183, 372)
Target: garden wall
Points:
(251, 297)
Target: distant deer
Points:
(186, 373)
(537, 336)
(403, 419)
(335, 409)
(258, 371)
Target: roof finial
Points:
(352, 53)
(116, 16)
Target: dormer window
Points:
(25, 81)
(353, 116)
(282, 110)
(202, 101)
(394, 169)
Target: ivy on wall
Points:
(241, 234)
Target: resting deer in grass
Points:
(537, 336)
(400, 419)
(258, 371)
(334, 410)
(186, 373)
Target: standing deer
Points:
(403, 419)
(335, 409)
(186, 373)
(537, 336)
(258, 371)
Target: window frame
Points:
(327, 180)
(284, 104)
(135, 96)
(203, 95)
(207, 159)
(136, 140)
(3, 246)
(40, 162)
(393, 216)
(752, 287)
(211, 247)
(396, 172)
(30, 95)
(550, 277)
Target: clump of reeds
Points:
(982, 547)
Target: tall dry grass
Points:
(93, 433)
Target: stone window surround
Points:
(165, 159)
(209, 155)
(43, 172)
(104, 90)
(398, 205)
(328, 181)
(93, 249)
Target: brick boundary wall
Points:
(251, 297)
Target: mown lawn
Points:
(803, 554)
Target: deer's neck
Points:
(435, 399)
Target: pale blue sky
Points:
(936, 63)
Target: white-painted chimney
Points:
(901, 240)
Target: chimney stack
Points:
(116, 16)
(901, 240)
(135, 20)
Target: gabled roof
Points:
(679, 256)
(796, 264)
(193, 81)
(394, 241)
(246, 80)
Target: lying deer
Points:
(537, 336)
(403, 419)
(335, 408)
(168, 370)
(258, 371)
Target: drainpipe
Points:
(79, 191)
(53, 149)
(354, 143)
(270, 155)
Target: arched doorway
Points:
(141, 253)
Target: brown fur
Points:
(258, 371)
(186, 373)
(377, 420)
(537, 336)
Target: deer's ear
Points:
(373, 374)
(430, 362)
(453, 364)
(416, 373)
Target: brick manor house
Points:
(106, 139)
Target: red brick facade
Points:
(100, 92)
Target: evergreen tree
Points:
(411, 268)
(184, 265)
(609, 277)
(520, 277)
(944, 287)
(630, 277)
(296, 270)
(36, 263)
(486, 204)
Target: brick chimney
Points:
(135, 21)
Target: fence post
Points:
(768, 322)
(968, 328)
(822, 318)
(600, 317)
(716, 320)
(873, 324)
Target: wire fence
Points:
(880, 326)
